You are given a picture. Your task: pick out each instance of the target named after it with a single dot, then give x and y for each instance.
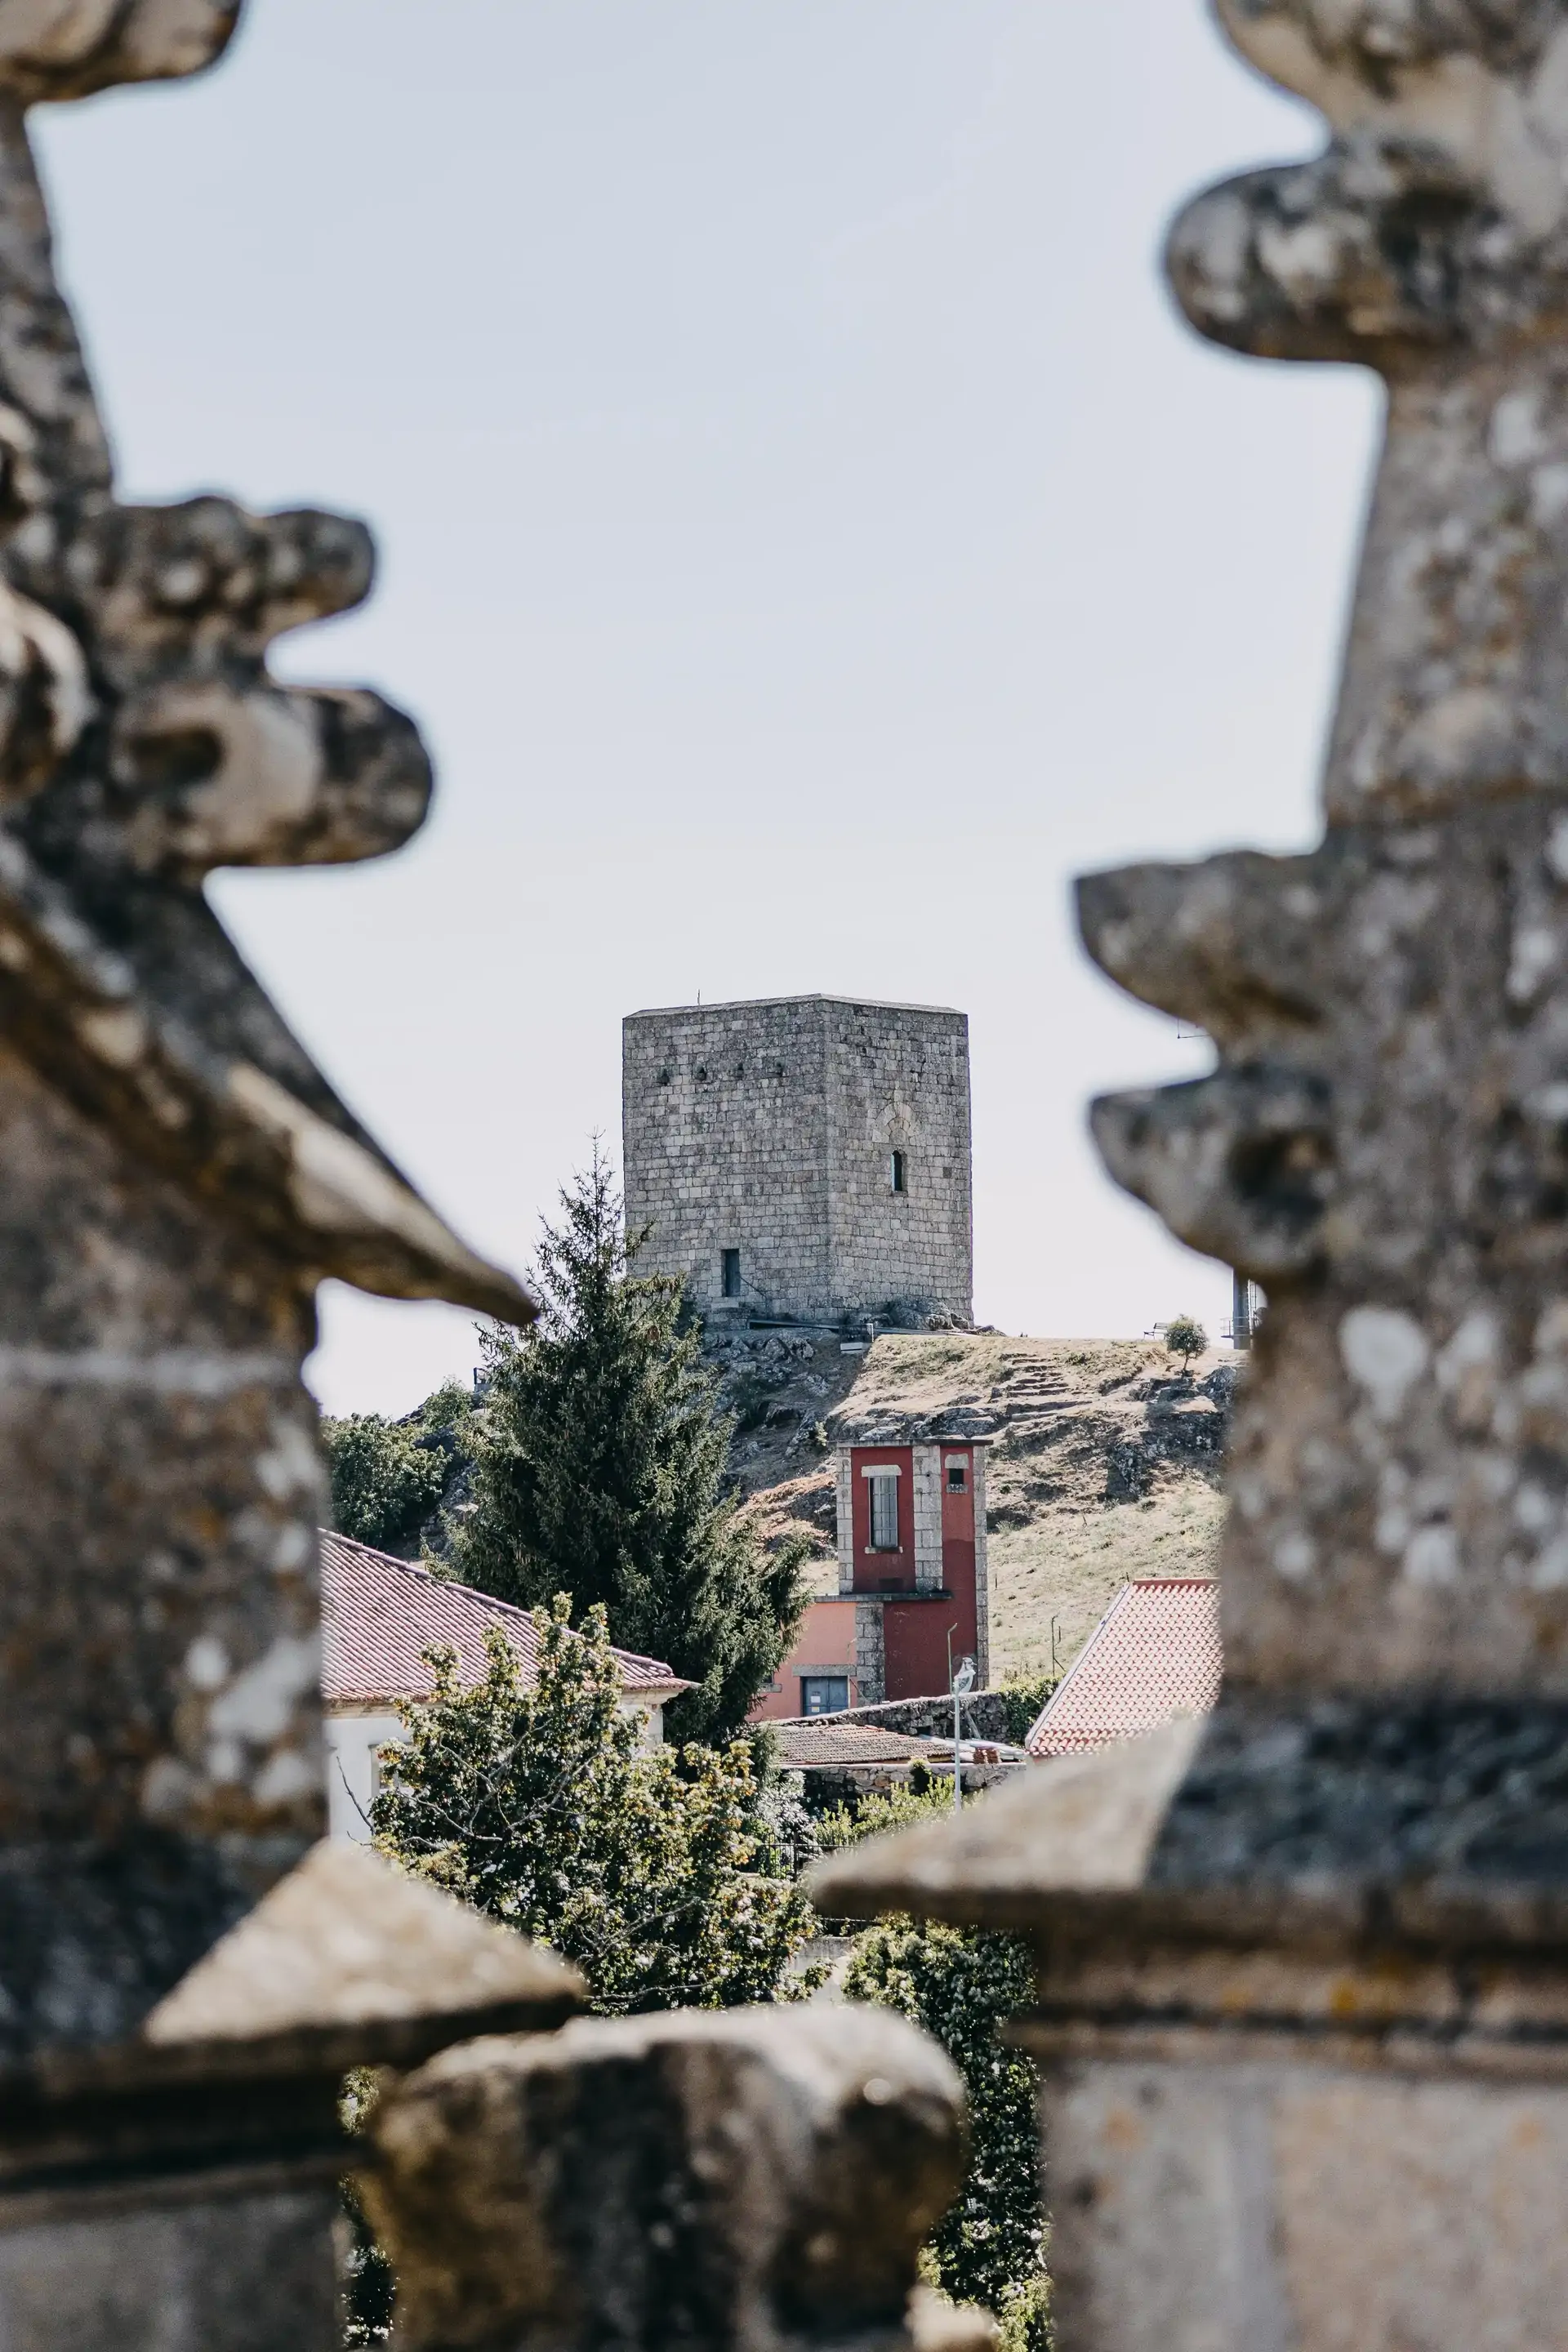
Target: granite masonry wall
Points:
(927, 1512)
(769, 1128)
(897, 1080)
(982, 1574)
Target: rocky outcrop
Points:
(1070, 1423)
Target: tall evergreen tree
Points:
(600, 1469)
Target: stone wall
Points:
(927, 1513)
(982, 1573)
(724, 1141)
(987, 1715)
(870, 1650)
(770, 1128)
(899, 1081)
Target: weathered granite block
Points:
(733, 2182)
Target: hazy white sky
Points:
(809, 540)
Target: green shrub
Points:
(537, 1804)
(962, 1986)
(1021, 1704)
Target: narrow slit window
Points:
(730, 1272)
(884, 1513)
(896, 1182)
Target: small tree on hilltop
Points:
(601, 1469)
(385, 1483)
(538, 1805)
(1186, 1337)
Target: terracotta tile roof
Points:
(378, 1614)
(1155, 1654)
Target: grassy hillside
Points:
(1104, 1463)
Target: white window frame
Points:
(891, 1471)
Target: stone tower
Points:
(803, 1157)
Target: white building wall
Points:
(927, 1509)
(354, 1738)
(352, 1742)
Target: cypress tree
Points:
(601, 1471)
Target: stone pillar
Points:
(1241, 1311)
(175, 1179)
(870, 1651)
(844, 1477)
(982, 1573)
(1304, 1970)
(926, 1503)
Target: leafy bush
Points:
(540, 1806)
(365, 2279)
(1021, 1704)
(962, 1985)
(899, 1809)
(1025, 2317)
(386, 1478)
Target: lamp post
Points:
(962, 1683)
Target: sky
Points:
(809, 540)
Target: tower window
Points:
(958, 1478)
(896, 1172)
(884, 1489)
(730, 1267)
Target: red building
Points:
(912, 1591)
